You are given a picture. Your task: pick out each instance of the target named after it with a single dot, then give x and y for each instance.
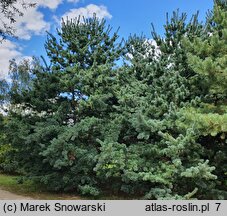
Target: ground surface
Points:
(11, 189)
(6, 195)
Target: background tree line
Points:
(154, 126)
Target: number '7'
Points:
(218, 205)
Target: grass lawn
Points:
(27, 188)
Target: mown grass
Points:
(29, 189)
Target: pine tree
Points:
(208, 58)
(156, 159)
(83, 59)
(67, 106)
(85, 123)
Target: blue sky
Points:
(130, 15)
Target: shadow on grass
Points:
(27, 188)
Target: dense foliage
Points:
(146, 117)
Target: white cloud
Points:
(73, 1)
(152, 43)
(88, 12)
(31, 23)
(52, 4)
(151, 49)
(8, 51)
